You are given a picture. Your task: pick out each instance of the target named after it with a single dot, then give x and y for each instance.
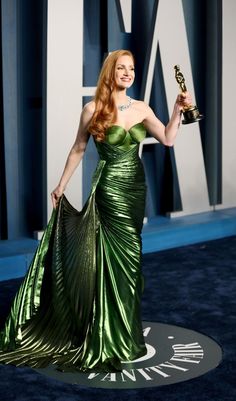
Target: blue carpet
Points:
(192, 286)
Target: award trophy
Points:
(190, 113)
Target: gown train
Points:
(79, 304)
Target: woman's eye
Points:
(122, 68)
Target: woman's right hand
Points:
(56, 194)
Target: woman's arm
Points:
(166, 135)
(76, 153)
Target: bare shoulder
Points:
(87, 113)
(89, 108)
(141, 107)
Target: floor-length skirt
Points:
(79, 304)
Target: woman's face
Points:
(124, 72)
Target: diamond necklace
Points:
(125, 106)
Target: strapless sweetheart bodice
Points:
(79, 305)
(124, 139)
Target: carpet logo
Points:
(174, 354)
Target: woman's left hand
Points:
(184, 100)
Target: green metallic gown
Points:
(79, 304)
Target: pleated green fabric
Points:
(79, 304)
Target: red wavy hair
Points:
(105, 113)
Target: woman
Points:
(79, 304)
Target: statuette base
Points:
(191, 115)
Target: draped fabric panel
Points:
(22, 137)
(3, 221)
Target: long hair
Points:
(105, 113)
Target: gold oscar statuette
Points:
(190, 113)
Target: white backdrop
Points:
(228, 105)
(65, 93)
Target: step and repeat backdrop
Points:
(200, 168)
(52, 52)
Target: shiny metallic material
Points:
(190, 113)
(79, 304)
